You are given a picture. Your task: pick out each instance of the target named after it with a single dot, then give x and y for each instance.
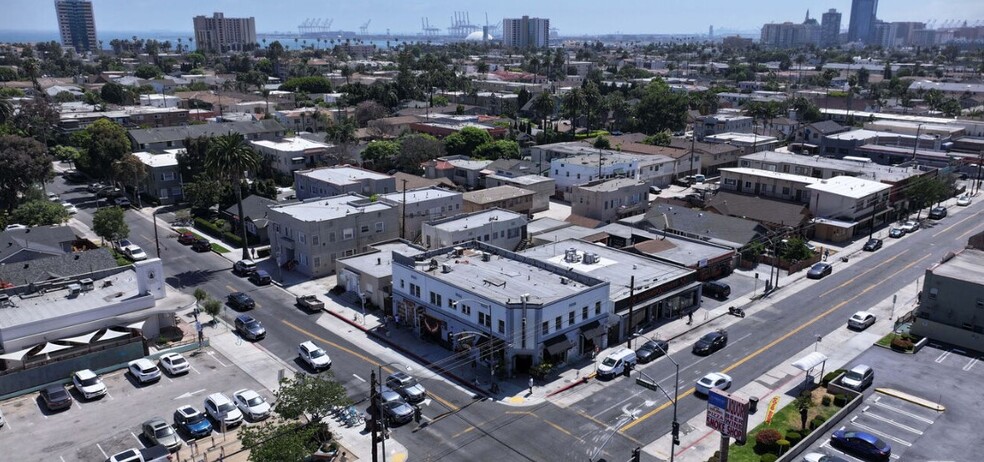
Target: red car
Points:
(187, 238)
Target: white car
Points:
(88, 384)
(910, 226)
(174, 363)
(134, 252)
(15, 226)
(144, 371)
(861, 320)
(713, 380)
(122, 202)
(220, 408)
(71, 209)
(314, 356)
(964, 200)
(818, 457)
(54, 197)
(130, 455)
(252, 404)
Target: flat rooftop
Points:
(419, 195)
(341, 175)
(56, 304)
(380, 264)
(168, 159)
(966, 265)
(867, 170)
(295, 144)
(322, 209)
(684, 251)
(740, 138)
(495, 194)
(770, 174)
(474, 220)
(612, 265)
(612, 185)
(849, 186)
(527, 180)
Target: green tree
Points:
(106, 143)
(68, 154)
(230, 157)
(130, 171)
(661, 109)
(115, 93)
(147, 71)
(203, 192)
(37, 118)
(543, 107)
(498, 149)
(342, 133)
(602, 142)
(40, 213)
(572, 106)
(276, 441)
(64, 97)
(108, 223)
(381, 155)
(416, 149)
(466, 140)
(25, 164)
(663, 138)
(212, 307)
(313, 84)
(311, 396)
(369, 110)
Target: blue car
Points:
(192, 422)
(861, 444)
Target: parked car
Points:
(175, 364)
(187, 238)
(158, 431)
(71, 209)
(201, 245)
(53, 197)
(819, 270)
(314, 356)
(964, 200)
(2, 422)
(655, 190)
(122, 202)
(144, 371)
(818, 457)
(249, 327)
(873, 244)
(861, 320)
(861, 444)
(109, 192)
(896, 233)
(192, 422)
(716, 289)
(252, 404)
(407, 386)
(221, 409)
(88, 384)
(260, 278)
(241, 301)
(617, 362)
(910, 226)
(652, 350)
(396, 411)
(937, 213)
(244, 267)
(859, 377)
(134, 252)
(74, 176)
(15, 226)
(309, 302)
(56, 397)
(711, 342)
(712, 380)
(129, 455)
(95, 187)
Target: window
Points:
(546, 328)
(317, 262)
(331, 236)
(452, 305)
(167, 176)
(403, 284)
(485, 320)
(570, 318)
(415, 290)
(933, 293)
(379, 226)
(302, 238)
(502, 326)
(315, 239)
(730, 181)
(558, 322)
(466, 310)
(436, 299)
(348, 233)
(163, 193)
(364, 229)
(597, 308)
(584, 313)
(785, 191)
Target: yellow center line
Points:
(603, 424)
(862, 274)
(470, 428)
(774, 343)
(363, 357)
(558, 427)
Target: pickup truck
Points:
(310, 303)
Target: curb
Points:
(912, 399)
(427, 364)
(573, 384)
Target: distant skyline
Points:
(399, 16)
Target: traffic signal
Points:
(636, 455)
(676, 434)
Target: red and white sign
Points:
(773, 404)
(727, 413)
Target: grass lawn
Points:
(592, 134)
(785, 419)
(218, 248)
(215, 247)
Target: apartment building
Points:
(506, 197)
(309, 236)
(334, 181)
(581, 169)
(163, 179)
(722, 123)
(541, 186)
(952, 299)
(610, 200)
(418, 206)
(77, 25)
(128, 117)
(845, 206)
(159, 139)
(290, 154)
(526, 32)
(498, 227)
(219, 34)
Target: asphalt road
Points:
(462, 428)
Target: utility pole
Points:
(373, 398)
(693, 142)
(628, 340)
(977, 181)
(915, 144)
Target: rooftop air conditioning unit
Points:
(445, 268)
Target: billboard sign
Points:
(727, 414)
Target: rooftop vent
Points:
(445, 268)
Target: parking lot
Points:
(94, 430)
(915, 432)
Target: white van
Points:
(616, 362)
(859, 377)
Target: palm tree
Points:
(6, 111)
(230, 157)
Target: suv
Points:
(241, 301)
(260, 278)
(144, 371)
(249, 327)
(717, 289)
(244, 267)
(88, 384)
(201, 245)
(406, 386)
(221, 409)
(192, 422)
(937, 213)
(314, 356)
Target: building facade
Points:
(526, 32)
(334, 181)
(418, 206)
(77, 24)
(220, 34)
(506, 197)
(498, 227)
(721, 123)
(610, 200)
(290, 154)
(952, 299)
(863, 17)
(830, 27)
(163, 179)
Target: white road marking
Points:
(904, 412)
(196, 370)
(971, 364)
(188, 394)
(138, 439)
(101, 450)
(892, 422)
(943, 356)
(883, 434)
(360, 378)
(211, 354)
(616, 404)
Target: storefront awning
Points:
(558, 345)
(592, 330)
(80, 339)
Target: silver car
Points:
(159, 432)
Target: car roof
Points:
(85, 374)
(156, 422)
(866, 437)
(187, 410)
(218, 398)
(54, 387)
(309, 345)
(400, 375)
(246, 393)
(245, 318)
(260, 272)
(861, 368)
(171, 355)
(862, 314)
(142, 362)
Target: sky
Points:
(571, 17)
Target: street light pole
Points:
(675, 429)
(377, 394)
(157, 241)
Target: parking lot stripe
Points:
(196, 370)
(135, 437)
(360, 378)
(943, 356)
(971, 364)
(904, 412)
(892, 422)
(211, 354)
(101, 450)
(882, 434)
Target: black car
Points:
(249, 327)
(716, 289)
(74, 176)
(652, 350)
(937, 213)
(241, 301)
(873, 245)
(819, 270)
(260, 278)
(56, 397)
(201, 245)
(711, 342)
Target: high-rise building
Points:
(220, 34)
(789, 35)
(862, 26)
(76, 24)
(526, 32)
(830, 27)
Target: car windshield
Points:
(253, 325)
(255, 401)
(89, 382)
(58, 394)
(853, 375)
(226, 407)
(178, 361)
(163, 431)
(195, 418)
(609, 362)
(707, 338)
(317, 353)
(148, 370)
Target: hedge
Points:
(793, 437)
(831, 376)
(767, 438)
(208, 227)
(826, 400)
(840, 400)
(769, 458)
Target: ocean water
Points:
(15, 36)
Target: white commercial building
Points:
(583, 168)
(161, 101)
(498, 227)
(290, 154)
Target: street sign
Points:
(647, 384)
(727, 413)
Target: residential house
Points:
(748, 143)
(344, 179)
(766, 183)
(775, 214)
(163, 181)
(569, 172)
(506, 197)
(22, 245)
(309, 236)
(715, 124)
(609, 200)
(370, 275)
(128, 117)
(255, 210)
(728, 231)
(462, 170)
(303, 119)
(543, 188)
(290, 154)
(159, 139)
